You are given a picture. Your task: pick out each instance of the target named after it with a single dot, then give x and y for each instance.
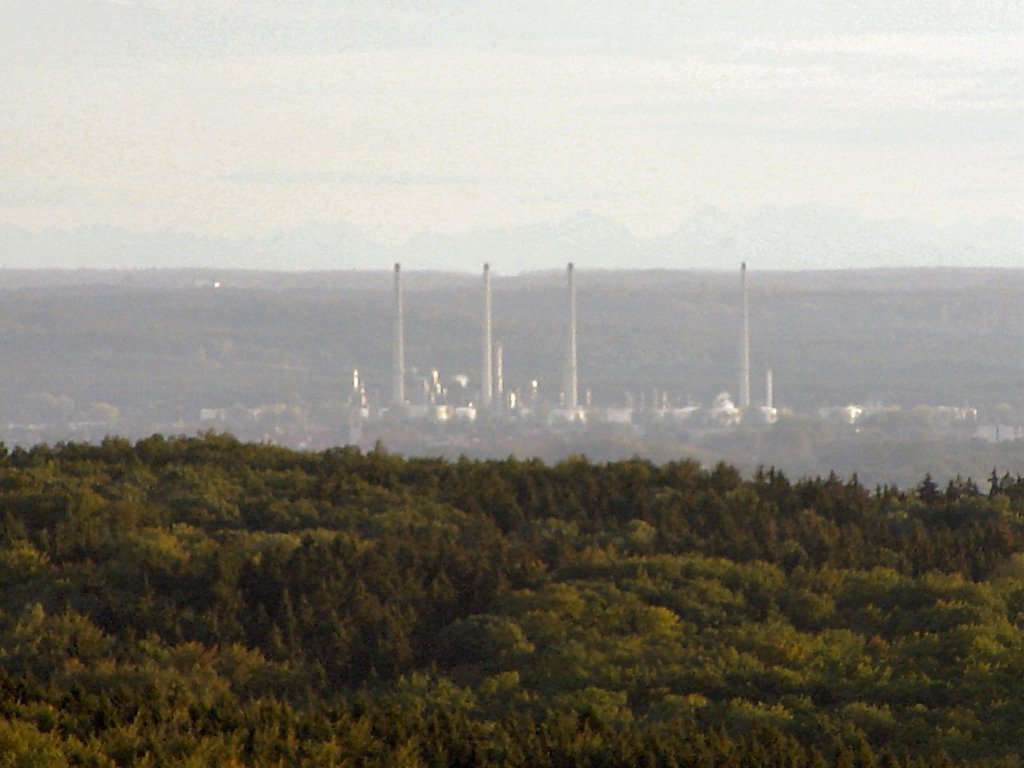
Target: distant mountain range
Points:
(804, 238)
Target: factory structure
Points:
(485, 402)
(435, 401)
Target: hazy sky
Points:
(237, 118)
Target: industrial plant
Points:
(603, 364)
(466, 397)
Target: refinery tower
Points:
(570, 386)
(398, 368)
(487, 373)
(745, 343)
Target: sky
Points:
(242, 119)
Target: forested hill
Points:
(200, 601)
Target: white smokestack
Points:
(398, 370)
(570, 388)
(499, 370)
(768, 394)
(486, 380)
(745, 355)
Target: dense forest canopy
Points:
(204, 601)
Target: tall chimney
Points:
(745, 355)
(570, 387)
(499, 370)
(398, 370)
(486, 376)
(768, 394)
